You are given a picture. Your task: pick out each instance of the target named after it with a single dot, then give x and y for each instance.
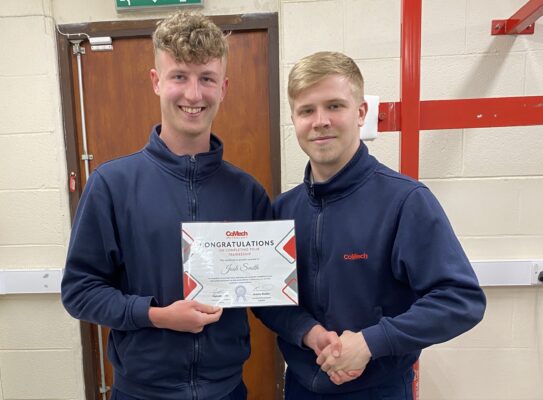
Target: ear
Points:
(224, 87)
(362, 111)
(155, 80)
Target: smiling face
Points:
(190, 95)
(327, 119)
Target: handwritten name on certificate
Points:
(240, 264)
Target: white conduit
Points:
(85, 157)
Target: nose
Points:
(322, 120)
(193, 92)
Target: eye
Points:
(305, 111)
(334, 106)
(179, 77)
(208, 80)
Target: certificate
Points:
(240, 264)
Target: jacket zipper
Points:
(192, 201)
(191, 187)
(317, 275)
(317, 253)
(193, 368)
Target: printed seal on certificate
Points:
(240, 264)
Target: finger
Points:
(328, 364)
(355, 373)
(324, 354)
(210, 318)
(326, 357)
(206, 308)
(335, 378)
(346, 377)
(336, 346)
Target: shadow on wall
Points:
(479, 81)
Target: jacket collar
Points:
(186, 167)
(347, 180)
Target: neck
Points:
(182, 145)
(321, 173)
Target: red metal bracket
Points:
(467, 113)
(520, 23)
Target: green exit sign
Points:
(139, 4)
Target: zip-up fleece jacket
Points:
(376, 254)
(125, 255)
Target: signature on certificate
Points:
(228, 268)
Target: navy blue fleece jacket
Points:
(125, 255)
(375, 254)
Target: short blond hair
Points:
(190, 37)
(312, 69)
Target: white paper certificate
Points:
(240, 264)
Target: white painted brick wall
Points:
(374, 70)
(472, 76)
(17, 7)
(39, 111)
(502, 350)
(310, 26)
(441, 154)
(39, 344)
(40, 374)
(32, 217)
(508, 151)
(534, 77)
(31, 161)
(491, 206)
(371, 30)
(445, 20)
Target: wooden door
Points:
(120, 110)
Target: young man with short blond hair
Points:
(378, 262)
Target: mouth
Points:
(192, 110)
(323, 139)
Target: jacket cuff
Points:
(302, 330)
(140, 312)
(377, 341)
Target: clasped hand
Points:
(343, 358)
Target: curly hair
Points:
(190, 37)
(312, 69)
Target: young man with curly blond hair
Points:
(123, 268)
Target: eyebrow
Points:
(334, 100)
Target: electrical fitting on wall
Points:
(369, 129)
(102, 43)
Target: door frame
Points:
(145, 28)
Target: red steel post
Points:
(410, 86)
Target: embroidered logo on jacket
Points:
(355, 256)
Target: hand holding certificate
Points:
(240, 264)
